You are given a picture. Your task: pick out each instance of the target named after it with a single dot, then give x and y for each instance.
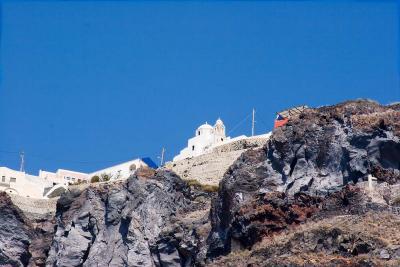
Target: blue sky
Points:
(88, 84)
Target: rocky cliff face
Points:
(315, 154)
(294, 202)
(22, 241)
(133, 223)
(15, 234)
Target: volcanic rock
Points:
(317, 153)
(15, 234)
(130, 223)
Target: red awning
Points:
(279, 123)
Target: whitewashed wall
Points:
(120, 171)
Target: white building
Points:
(23, 184)
(65, 177)
(206, 136)
(124, 170)
(26, 185)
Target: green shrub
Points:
(193, 182)
(210, 188)
(105, 177)
(95, 179)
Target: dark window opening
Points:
(193, 148)
(198, 132)
(13, 180)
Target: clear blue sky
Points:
(88, 84)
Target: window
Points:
(192, 148)
(73, 179)
(198, 132)
(222, 139)
(3, 179)
(13, 180)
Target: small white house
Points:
(124, 170)
(64, 177)
(205, 137)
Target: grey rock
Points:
(384, 254)
(123, 224)
(15, 234)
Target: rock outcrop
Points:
(133, 223)
(23, 241)
(316, 154)
(15, 234)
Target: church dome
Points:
(205, 126)
(204, 129)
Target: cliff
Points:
(139, 222)
(301, 199)
(301, 167)
(23, 241)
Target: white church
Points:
(205, 138)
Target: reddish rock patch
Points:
(270, 213)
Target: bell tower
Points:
(219, 131)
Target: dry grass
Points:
(368, 122)
(204, 187)
(382, 228)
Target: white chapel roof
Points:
(205, 126)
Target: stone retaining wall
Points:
(31, 206)
(209, 168)
(243, 144)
